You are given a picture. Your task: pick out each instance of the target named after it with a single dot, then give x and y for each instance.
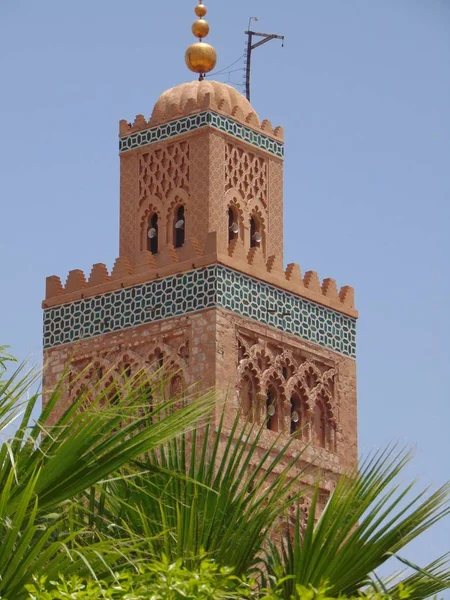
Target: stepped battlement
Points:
(193, 255)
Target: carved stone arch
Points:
(96, 372)
(296, 384)
(248, 389)
(272, 376)
(286, 363)
(233, 202)
(272, 391)
(328, 379)
(324, 422)
(260, 219)
(309, 370)
(156, 358)
(261, 355)
(233, 198)
(150, 206)
(248, 364)
(129, 364)
(323, 394)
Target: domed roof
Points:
(197, 96)
(191, 97)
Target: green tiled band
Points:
(193, 122)
(214, 286)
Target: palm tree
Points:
(215, 490)
(112, 486)
(46, 468)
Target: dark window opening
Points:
(233, 227)
(296, 416)
(271, 406)
(152, 235)
(255, 235)
(180, 227)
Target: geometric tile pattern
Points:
(193, 122)
(213, 286)
(285, 311)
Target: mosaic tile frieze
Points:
(194, 122)
(213, 286)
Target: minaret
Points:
(200, 284)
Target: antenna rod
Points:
(266, 37)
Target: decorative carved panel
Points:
(247, 173)
(163, 170)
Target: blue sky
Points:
(363, 91)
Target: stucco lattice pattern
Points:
(246, 173)
(194, 122)
(163, 170)
(198, 290)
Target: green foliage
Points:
(368, 519)
(46, 468)
(113, 502)
(212, 501)
(160, 580)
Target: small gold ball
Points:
(200, 28)
(200, 10)
(201, 57)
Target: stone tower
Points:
(200, 283)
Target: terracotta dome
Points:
(191, 97)
(197, 96)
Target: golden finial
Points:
(201, 57)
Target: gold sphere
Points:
(200, 28)
(200, 10)
(201, 57)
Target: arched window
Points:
(272, 409)
(255, 233)
(296, 414)
(179, 227)
(248, 398)
(233, 226)
(320, 425)
(152, 234)
(300, 423)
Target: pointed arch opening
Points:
(248, 397)
(233, 224)
(300, 422)
(272, 409)
(179, 227)
(153, 234)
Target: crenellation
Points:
(294, 274)
(191, 256)
(53, 287)
(76, 280)
(122, 268)
(99, 275)
(329, 289)
(347, 296)
(311, 282)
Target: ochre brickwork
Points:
(301, 388)
(215, 349)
